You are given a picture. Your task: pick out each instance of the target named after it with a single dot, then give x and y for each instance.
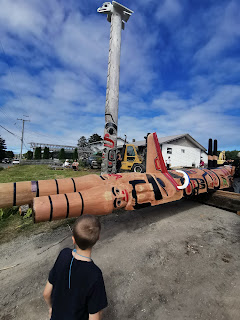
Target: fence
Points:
(41, 161)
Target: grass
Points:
(14, 224)
(39, 172)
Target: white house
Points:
(183, 150)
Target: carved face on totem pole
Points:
(120, 197)
(109, 138)
(107, 7)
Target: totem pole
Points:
(118, 15)
(100, 195)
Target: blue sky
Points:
(180, 70)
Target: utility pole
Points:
(118, 15)
(23, 121)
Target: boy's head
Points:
(86, 231)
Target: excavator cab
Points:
(131, 161)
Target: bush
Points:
(82, 163)
(7, 212)
(1, 168)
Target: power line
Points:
(25, 145)
(9, 131)
(10, 118)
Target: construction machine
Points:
(221, 158)
(131, 160)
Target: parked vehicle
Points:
(6, 160)
(16, 161)
(94, 161)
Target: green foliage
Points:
(94, 138)
(82, 142)
(62, 155)
(38, 153)
(28, 214)
(9, 154)
(75, 154)
(2, 149)
(82, 164)
(29, 155)
(46, 153)
(231, 154)
(1, 168)
(99, 157)
(7, 212)
(99, 160)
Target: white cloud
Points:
(59, 56)
(168, 10)
(20, 17)
(225, 34)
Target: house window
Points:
(169, 150)
(183, 150)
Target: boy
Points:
(75, 287)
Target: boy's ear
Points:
(73, 239)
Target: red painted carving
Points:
(106, 138)
(157, 163)
(159, 153)
(116, 176)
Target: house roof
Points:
(167, 139)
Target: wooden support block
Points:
(221, 199)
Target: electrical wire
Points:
(10, 119)
(9, 131)
(17, 94)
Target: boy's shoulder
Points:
(66, 253)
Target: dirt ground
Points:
(175, 261)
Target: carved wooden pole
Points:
(117, 15)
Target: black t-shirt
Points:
(236, 164)
(86, 293)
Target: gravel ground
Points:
(175, 261)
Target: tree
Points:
(94, 138)
(29, 155)
(46, 153)
(9, 154)
(62, 155)
(231, 154)
(75, 154)
(2, 149)
(82, 142)
(38, 153)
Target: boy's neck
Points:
(86, 253)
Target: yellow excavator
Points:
(221, 158)
(131, 161)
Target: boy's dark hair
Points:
(86, 230)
